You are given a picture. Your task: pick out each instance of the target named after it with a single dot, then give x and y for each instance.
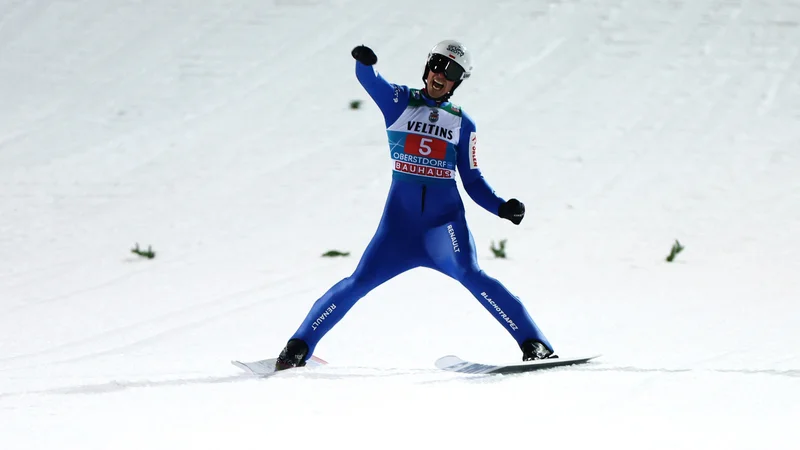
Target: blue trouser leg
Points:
(385, 257)
(452, 250)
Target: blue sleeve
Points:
(474, 183)
(390, 98)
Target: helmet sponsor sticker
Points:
(455, 49)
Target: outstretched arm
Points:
(476, 186)
(390, 98)
(474, 183)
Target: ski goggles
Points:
(442, 64)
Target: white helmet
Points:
(457, 52)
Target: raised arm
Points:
(390, 98)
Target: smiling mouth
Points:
(437, 85)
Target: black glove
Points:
(513, 210)
(364, 55)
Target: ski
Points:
(453, 363)
(266, 367)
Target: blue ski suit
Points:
(423, 222)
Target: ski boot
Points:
(533, 350)
(293, 355)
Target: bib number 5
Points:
(424, 149)
(424, 146)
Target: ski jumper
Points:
(423, 222)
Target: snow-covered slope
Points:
(220, 133)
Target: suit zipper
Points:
(424, 188)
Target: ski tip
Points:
(243, 366)
(318, 360)
(448, 361)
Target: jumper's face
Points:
(437, 84)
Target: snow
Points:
(220, 133)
